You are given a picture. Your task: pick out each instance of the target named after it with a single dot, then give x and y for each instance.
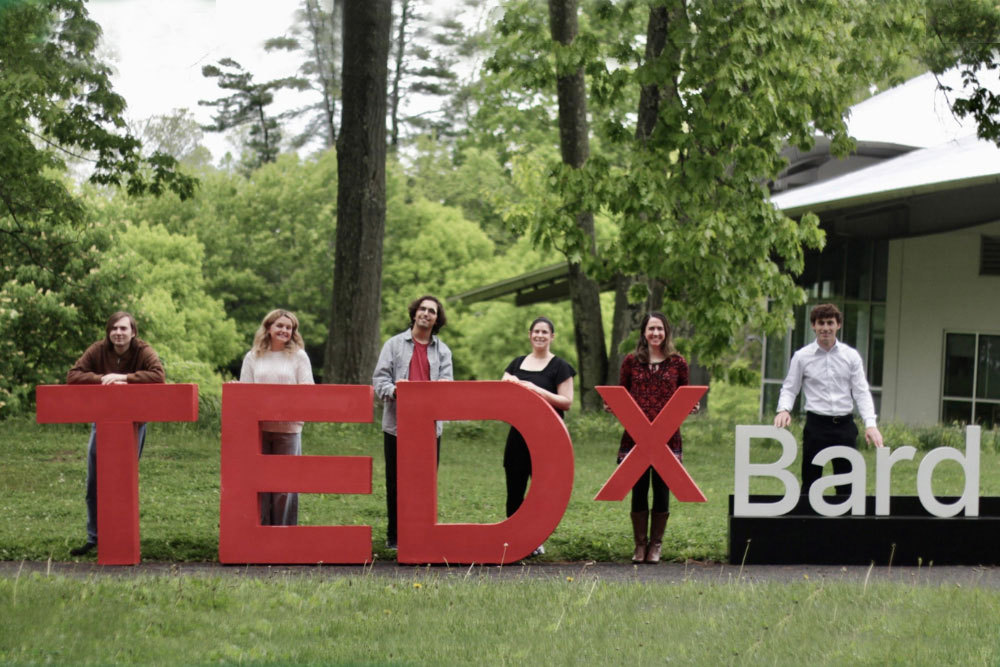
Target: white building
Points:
(912, 257)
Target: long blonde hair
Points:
(262, 339)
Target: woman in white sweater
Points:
(278, 356)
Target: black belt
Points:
(830, 419)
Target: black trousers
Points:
(389, 445)
(517, 469)
(640, 493)
(820, 432)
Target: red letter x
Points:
(651, 444)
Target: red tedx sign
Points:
(651, 443)
(421, 538)
(247, 472)
(117, 410)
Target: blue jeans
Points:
(92, 479)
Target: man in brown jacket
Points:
(120, 358)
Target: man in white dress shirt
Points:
(831, 375)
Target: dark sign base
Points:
(909, 536)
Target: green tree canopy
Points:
(188, 328)
(965, 33)
(247, 106)
(267, 238)
(718, 89)
(57, 103)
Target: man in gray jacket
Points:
(417, 354)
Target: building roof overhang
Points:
(927, 191)
(923, 191)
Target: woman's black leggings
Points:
(640, 493)
(517, 485)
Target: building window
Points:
(851, 274)
(971, 391)
(989, 256)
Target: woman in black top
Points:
(551, 378)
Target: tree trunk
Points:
(324, 54)
(652, 95)
(592, 357)
(354, 339)
(628, 316)
(399, 62)
(697, 374)
(574, 142)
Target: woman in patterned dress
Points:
(651, 375)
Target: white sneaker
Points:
(538, 552)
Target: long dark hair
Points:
(642, 347)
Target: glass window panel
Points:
(776, 364)
(876, 356)
(877, 400)
(987, 414)
(810, 270)
(880, 270)
(831, 268)
(848, 330)
(857, 327)
(988, 371)
(959, 364)
(956, 411)
(859, 269)
(771, 394)
(846, 270)
(802, 328)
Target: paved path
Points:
(965, 576)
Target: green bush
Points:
(734, 403)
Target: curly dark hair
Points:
(824, 311)
(441, 318)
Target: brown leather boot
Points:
(640, 520)
(656, 528)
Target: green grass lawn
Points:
(432, 619)
(44, 467)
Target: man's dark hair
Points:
(824, 311)
(441, 319)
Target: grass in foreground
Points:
(374, 620)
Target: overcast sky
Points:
(158, 48)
